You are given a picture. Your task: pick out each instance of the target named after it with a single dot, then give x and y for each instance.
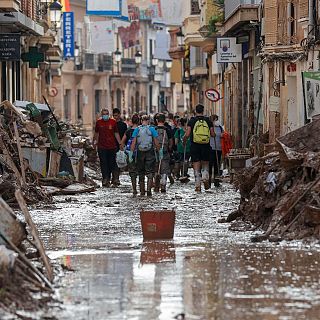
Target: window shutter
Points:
(303, 9)
(271, 22)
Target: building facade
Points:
(25, 32)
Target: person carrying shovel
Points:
(183, 151)
(165, 139)
(216, 152)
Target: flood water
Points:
(205, 272)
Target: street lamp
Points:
(118, 55)
(160, 64)
(154, 61)
(169, 64)
(138, 57)
(55, 9)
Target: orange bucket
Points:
(157, 224)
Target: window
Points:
(67, 104)
(97, 101)
(119, 96)
(195, 7)
(79, 104)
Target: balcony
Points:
(238, 12)
(90, 62)
(19, 23)
(191, 26)
(10, 5)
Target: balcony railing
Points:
(231, 6)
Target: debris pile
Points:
(37, 151)
(280, 191)
(26, 275)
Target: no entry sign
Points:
(213, 95)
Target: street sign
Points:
(213, 95)
(9, 46)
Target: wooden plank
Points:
(54, 163)
(9, 162)
(12, 228)
(35, 234)
(16, 133)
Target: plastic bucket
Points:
(157, 224)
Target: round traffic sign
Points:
(213, 95)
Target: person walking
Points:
(145, 141)
(183, 150)
(122, 128)
(199, 129)
(165, 139)
(105, 139)
(126, 145)
(216, 151)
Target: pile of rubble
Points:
(26, 273)
(39, 155)
(280, 191)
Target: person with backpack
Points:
(126, 145)
(145, 141)
(165, 140)
(200, 129)
(183, 150)
(216, 151)
(105, 138)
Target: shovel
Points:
(217, 179)
(184, 179)
(157, 178)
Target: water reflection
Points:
(157, 252)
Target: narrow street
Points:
(206, 272)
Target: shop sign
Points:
(68, 35)
(228, 50)
(9, 46)
(311, 90)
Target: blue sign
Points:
(68, 35)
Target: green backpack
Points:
(201, 132)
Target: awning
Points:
(23, 104)
(19, 23)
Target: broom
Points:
(184, 179)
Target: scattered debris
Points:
(25, 281)
(36, 150)
(280, 191)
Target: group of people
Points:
(159, 149)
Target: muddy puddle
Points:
(206, 272)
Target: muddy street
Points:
(206, 272)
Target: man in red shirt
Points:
(105, 139)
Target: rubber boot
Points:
(142, 186)
(134, 186)
(157, 183)
(115, 177)
(197, 177)
(163, 183)
(149, 186)
(176, 170)
(205, 178)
